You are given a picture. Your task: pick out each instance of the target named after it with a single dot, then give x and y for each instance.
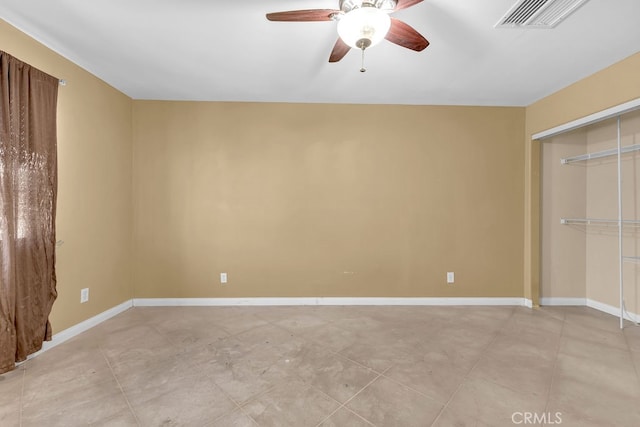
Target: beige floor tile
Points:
(378, 354)
(619, 378)
(269, 338)
(345, 418)
(195, 400)
(492, 403)
(236, 418)
(300, 322)
(164, 376)
(291, 404)
(189, 365)
(246, 376)
(329, 336)
(534, 323)
(632, 334)
(592, 319)
(331, 313)
(10, 396)
(123, 419)
(435, 377)
(553, 311)
(190, 331)
(636, 359)
(518, 365)
(89, 404)
(141, 342)
(447, 418)
(238, 322)
(586, 404)
(362, 322)
(489, 318)
(387, 403)
(591, 350)
(277, 313)
(56, 374)
(330, 373)
(607, 338)
(460, 346)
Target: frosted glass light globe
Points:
(364, 27)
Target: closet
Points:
(590, 213)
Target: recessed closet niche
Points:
(580, 235)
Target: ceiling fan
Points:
(361, 24)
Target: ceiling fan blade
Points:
(405, 36)
(339, 51)
(303, 15)
(403, 4)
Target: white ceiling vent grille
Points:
(538, 13)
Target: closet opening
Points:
(590, 214)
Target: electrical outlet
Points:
(450, 277)
(84, 295)
(223, 277)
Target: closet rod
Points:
(600, 154)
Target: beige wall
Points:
(94, 191)
(612, 86)
(326, 200)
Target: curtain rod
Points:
(62, 82)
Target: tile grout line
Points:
(343, 405)
(466, 376)
(310, 386)
(359, 416)
(126, 399)
(340, 405)
(555, 365)
(237, 404)
(335, 353)
(393, 380)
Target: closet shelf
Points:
(600, 154)
(597, 221)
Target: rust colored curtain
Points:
(28, 187)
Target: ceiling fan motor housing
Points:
(349, 5)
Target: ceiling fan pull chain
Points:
(362, 69)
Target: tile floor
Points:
(334, 366)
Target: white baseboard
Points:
(634, 317)
(170, 302)
(563, 301)
(600, 306)
(71, 332)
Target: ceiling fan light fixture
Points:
(364, 27)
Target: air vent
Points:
(538, 13)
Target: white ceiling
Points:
(228, 51)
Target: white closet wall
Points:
(563, 193)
